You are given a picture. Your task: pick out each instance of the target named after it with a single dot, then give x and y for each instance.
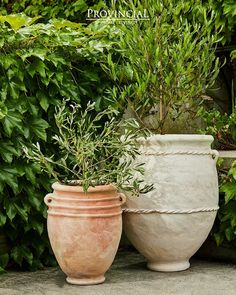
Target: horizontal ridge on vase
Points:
(84, 229)
(183, 171)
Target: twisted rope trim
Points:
(160, 153)
(166, 211)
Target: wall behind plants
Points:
(40, 65)
(72, 10)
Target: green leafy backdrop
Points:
(40, 65)
(48, 9)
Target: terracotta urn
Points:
(84, 230)
(169, 224)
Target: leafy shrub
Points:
(225, 227)
(221, 127)
(48, 9)
(89, 154)
(225, 11)
(40, 65)
(163, 66)
(233, 54)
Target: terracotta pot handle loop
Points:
(122, 198)
(48, 199)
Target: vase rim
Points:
(77, 188)
(178, 137)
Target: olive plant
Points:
(93, 149)
(162, 66)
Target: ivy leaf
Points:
(37, 52)
(38, 127)
(230, 191)
(34, 198)
(66, 23)
(229, 234)
(29, 173)
(9, 176)
(218, 238)
(38, 226)
(17, 21)
(10, 209)
(22, 212)
(7, 61)
(7, 151)
(22, 252)
(4, 259)
(2, 219)
(2, 270)
(14, 90)
(12, 119)
(43, 100)
(37, 66)
(3, 109)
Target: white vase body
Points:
(183, 171)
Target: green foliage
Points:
(4, 257)
(233, 54)
(225, 230)
(221, 127)
(48, 9)
(40, 66)
(162, 67)
(89, 154)
(225, 11)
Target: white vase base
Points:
(86, 281)
(168, 266)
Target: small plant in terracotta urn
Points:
(93, 163)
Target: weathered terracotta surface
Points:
(182, 182)
(84, 230)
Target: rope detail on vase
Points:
(169, 211)
(213, 153)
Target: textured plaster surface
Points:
(128, 275)
(181, 182)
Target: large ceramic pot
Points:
(84, 230)
(170, 223)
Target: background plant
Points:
(89, 154)
(225, 11)
(225, 226)
(40, 66)
(221, 127)
(48, 9)
(163, 66)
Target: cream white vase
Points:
(170, 223)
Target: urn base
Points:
(168, 266)
(84, 281)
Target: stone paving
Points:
(128, 275)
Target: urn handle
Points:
(122, 198)
(48, 199)
(215, 155)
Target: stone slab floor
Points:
(128, 275)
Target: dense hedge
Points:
(77, 10)
(48, 9)
(40, 65)
(226, 17)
